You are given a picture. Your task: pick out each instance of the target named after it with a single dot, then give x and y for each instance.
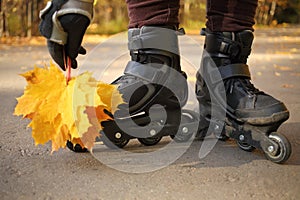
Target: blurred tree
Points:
(21, 17)
(3, 19)
(265, 11)
(279, 11)
(110, 17)
(288, 11)
(193, 13)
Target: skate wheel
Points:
(76, 148)
(113, 144)
(284, 150)
(184, 135)
(149, 141)
(244, 146)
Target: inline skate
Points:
(154, 89)
(230, 106)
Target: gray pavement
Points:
(30, 172)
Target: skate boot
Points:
(230, 105)
(154, 89)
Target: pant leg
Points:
(230, 15)
(153, 12)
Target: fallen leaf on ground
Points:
(283, 68)
(258, 73)
(288, 86)
(277, 74)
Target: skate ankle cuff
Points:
(235, 45)
(150, 37)
(230, 71)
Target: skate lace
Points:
(247, 86)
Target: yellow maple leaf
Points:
(110, 95)
(61, 111)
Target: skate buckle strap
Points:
(149, 37)
(216, 43)
(147, 72)
(229, 71)
(229, 43)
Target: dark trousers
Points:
(222, 15)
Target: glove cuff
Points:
(82, 7)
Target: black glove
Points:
(75, 25)
(64, 25)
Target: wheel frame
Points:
(222, 137)
(184, 137)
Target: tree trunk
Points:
(1, 19)
(119, 13)
(35, 20)
(29, 19)
(272, 11)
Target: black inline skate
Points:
(230, 106)
(155, 90)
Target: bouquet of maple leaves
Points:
(61, 110)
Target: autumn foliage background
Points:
(20, 17)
